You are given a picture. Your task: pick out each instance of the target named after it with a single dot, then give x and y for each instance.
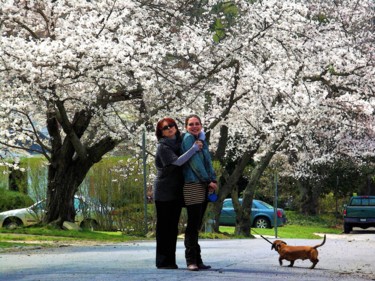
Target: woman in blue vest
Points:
(200, 179)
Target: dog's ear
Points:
(277, 244)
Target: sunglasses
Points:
(196, 124)
(167, 127)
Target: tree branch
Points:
(69, 131)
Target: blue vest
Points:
(199, 167)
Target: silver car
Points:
(34, 214)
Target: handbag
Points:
(212, 197)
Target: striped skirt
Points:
(195, 193)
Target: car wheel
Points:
(347, 228)
(262, 222)
(12, 223)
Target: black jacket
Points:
(169, 179)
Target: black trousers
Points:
(192, 248)
(167, 218)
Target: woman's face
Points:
(168, 130)
(194, 126)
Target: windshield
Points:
(41, 205)
(227, 204)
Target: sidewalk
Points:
(341, 259)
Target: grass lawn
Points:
(288, 231)
(298, 226)
(46, 237)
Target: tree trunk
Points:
(244, 220)
(228, 184)
(309, 202)
(70, 160)
(63, 183)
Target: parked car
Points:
(262, 214)
(34, 214)
(360, 212)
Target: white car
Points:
(34, 214)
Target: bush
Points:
(10, 200)
(116, 184)
(326, 220)
(330, 204)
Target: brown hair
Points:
(159, 130)
(191, 116)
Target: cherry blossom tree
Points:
(300, 83)
(93, 73)
(269, 78)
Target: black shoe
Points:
(203, 266)
(173, 266)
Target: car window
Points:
(363, 202)
(228, 204)
(265, 205)
(40, 206)
(356, 202)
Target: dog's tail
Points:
(324, 240)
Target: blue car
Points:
(262, 214)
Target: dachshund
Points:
(292, 253)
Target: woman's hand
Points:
(200, 144)
(212, 186)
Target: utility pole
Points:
(144, 177)
(275, 205)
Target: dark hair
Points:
(191, 116)
(159, 130)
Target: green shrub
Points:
(330, 204)
(117, 182)
(3, 177)
(325, 220)
(10, 200)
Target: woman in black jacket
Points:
(168, 194)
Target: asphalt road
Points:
(342, 258)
